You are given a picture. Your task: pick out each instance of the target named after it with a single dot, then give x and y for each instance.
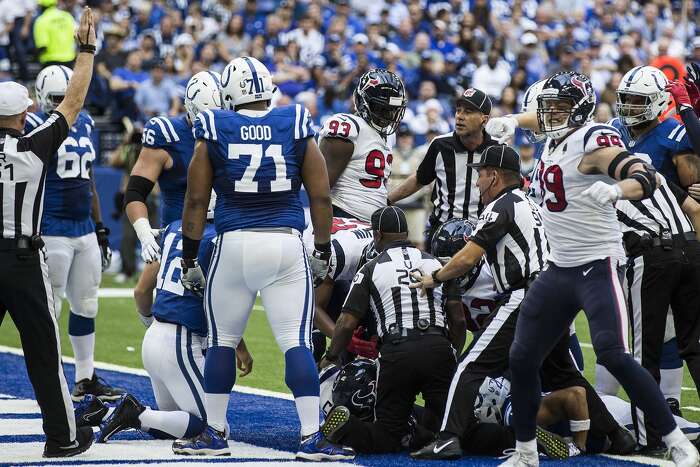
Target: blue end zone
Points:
(259, 420)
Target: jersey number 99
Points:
(75, 158)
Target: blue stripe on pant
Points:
(183, 368)
(207, 305)
(546, 313)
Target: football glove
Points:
(501, 128)
(692, 85)
(150, 249)
(319, 261)
(102, 233)
(146, 320)
(362, 347)
(602, 193)
(192, 277)
(680, 94)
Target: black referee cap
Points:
(477, 100)
(501, 156)
(389, 219)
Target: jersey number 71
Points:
(248, 183)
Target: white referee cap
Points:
(14, 98)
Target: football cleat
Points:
(515, 458)
(317, 448)
(83, 441)
(551, 444)
(210, 442)
(90, 411)
(684, 454)
(97, 387)
(675, 407)
(440, 449)
(334, 427)
(125, 416)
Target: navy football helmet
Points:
(567, 101)
(451, 237)
(380, 99)
(356, 388)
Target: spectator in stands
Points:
(20, 14)
(54, 31)
(695, 50)
(184, 56)
(233, 41)
(308, 38)
(124, 83)
(492, 76)
(157, 95)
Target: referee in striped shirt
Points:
(25, 289)
(448, 162)
(419, 335)
(663, 270)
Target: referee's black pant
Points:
(25, 293)
(488, 357)
(655, 280)
(413, 365)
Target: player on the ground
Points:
(167, 149)
(581, 163)
(77, 243)
(172, 347)
(257, 159)
(357, 147)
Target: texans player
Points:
(257, 159)
(168, 145)
(586, 168)
(77, 242)
(357, 147)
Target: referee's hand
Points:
(85, 33)
(422, 282)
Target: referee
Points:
(447, 162)
(511, 236)
(25, 289)
(663, 271)
(419, 335)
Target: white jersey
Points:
(362, 187)
(579, 230)
(480, 300)
(349, 237)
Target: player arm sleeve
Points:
(492, 226)
(692, 127)
(680, 194)
(425, 173)
(357, 301)
(45, 140)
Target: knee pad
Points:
(80, 325)
(85, 307)
(670, 356)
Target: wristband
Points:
(87, 49)
(323, 247)
(435, 278)
(618, 191)
(190, 247)
(579, 425)
(143, 229)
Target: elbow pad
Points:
(138, 189)
(646, 178)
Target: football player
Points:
(77, 243)
(257, 159)
(168, 145)
(586, 168)
(357, 147)
(173, 346)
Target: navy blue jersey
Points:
(68, 196)
(173, 135)
(257, 159)
(661, 144)
(174, 304)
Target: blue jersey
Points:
(68, 199)
(661, 144)
(257, 159)
(173, 135)
(174, 304)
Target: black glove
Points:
(319, 260)
(102, 233)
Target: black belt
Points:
(22, 243)
(400, 335)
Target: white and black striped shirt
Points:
(455, 194)
(381, 287)
(510, 230)
(660, 212)
(23, 161)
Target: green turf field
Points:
(119, 335)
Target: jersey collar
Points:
(398, 244)
(253, 113)
(11, 132)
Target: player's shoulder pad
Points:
(343, 126)
(205, 125)
(303, 123)
(599, 135)
(32, 121)
(159, 132)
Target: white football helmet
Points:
(50, 86)
(245, 80)
(529, 104)
(641, 95)
(203, 92)
(489, 402)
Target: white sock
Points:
(84, 351)
(526, 446)
(671, 382)
(605, 382)
(217, 405)
(308, 411)
(674, 437)
(173, 423)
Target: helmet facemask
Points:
(382, 117)
(554, 115)
(634, 108)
